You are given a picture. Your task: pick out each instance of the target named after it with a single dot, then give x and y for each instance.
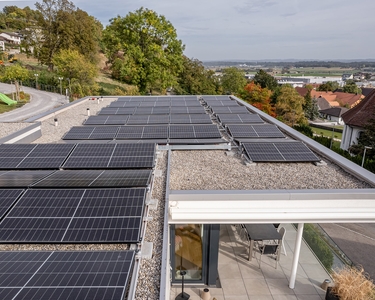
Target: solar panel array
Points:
(152, 110)
(148, 119)
(90, 275)
(254, 131)
(165, 132)
(280, 152)
(75, 216)
(22, 178)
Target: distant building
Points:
(12, 38)
(346, 77)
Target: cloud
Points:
(253, 6)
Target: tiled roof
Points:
(348, 99)
(334, 111)
(366, 91)
(361, 113)
(323, 103)
(329, 96)
(302, 91)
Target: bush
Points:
(305, 129)
(321, 249)
(353, 284)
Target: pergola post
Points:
(297, 249)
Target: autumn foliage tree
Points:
(259, 97)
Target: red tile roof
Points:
(360, 114)
(347, 99)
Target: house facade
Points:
(355, 120)
(12, 38)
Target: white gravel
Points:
(9, 128)
(214, 170)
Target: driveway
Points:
(40, 102)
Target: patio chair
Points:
(271, 250)
(282, 232)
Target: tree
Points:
(80, 71)
(194, 79)
(351, 87)
(15, 73)
(265, 80)
(258, 97)
(328, 86)
(289, 106)
(62, 26)
(143, 50)
(310, 106)
(366, 138)
(233, 80)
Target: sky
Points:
(255, 29)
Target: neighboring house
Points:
(347, 99)
(333, 114)
(355, 120)
(12, 38)
(329, 96)
(2, 45)
(322, 103)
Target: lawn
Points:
(5, 107)
(327, 133)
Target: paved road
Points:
(357, 241)
(40, 102)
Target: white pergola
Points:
(272, 206)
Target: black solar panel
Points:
(254, 131)
(194, 132)
(7, 198)
(21, 178)
(68, 275)
(280, 152)
(121, 156)
(130, 132)
(78, 133)
(155, 132)
(76, 216)
(107, 120)
(16, 150)
(231, 110)
(239, 118)
(117, 111)
(41, 156)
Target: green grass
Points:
(327, 133)
(5, 107)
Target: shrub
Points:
(315, 240)
(353, 284)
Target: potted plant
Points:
(351, 283)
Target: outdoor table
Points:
(261, 232)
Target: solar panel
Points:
(7, 198)
(239, 118)
(117, 111)
(76, 216)
(181, 132)
(78, 133)
(104, 133)
(155, 132)
(121, 156)
(21, 178)
(16, 150)
(130, 132)
(41, 156)
(231, 110)
(254, 131)
(193, 132)
(280, 152)
(158, 119)
(106, 120)
(68, 275)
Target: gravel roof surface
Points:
(9, 128)
(215, 170)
